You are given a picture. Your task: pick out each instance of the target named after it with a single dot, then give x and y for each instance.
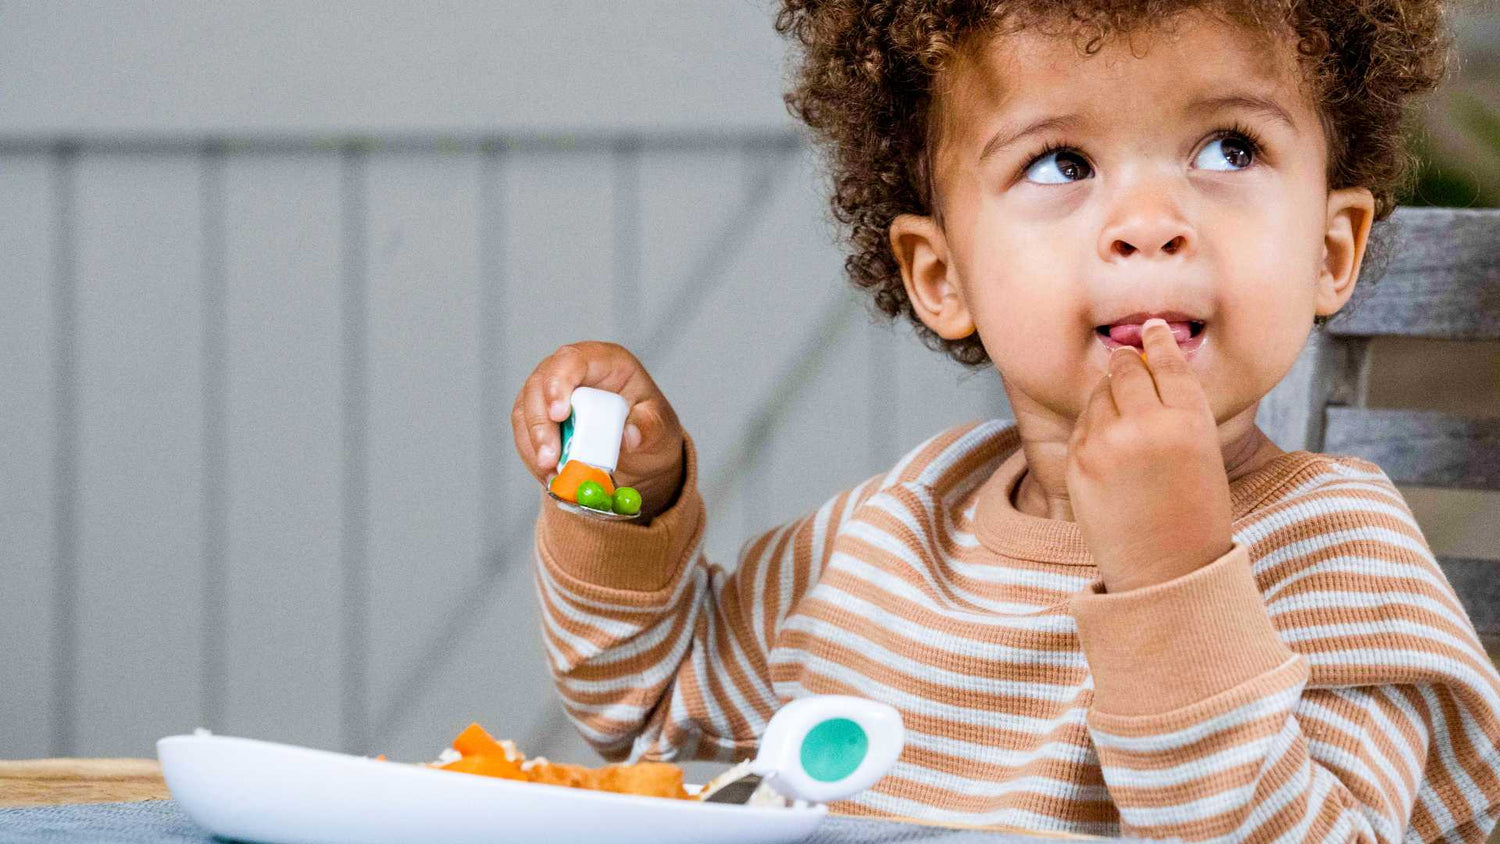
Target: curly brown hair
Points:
(864, 85)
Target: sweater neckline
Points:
(1003, 529)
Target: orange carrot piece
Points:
(575, 472)
(487, 765)
(475, 741)
(465, 765)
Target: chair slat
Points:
(1443, 281)
(1422, 448)
(1477, 583)
(1328, 371)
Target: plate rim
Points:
(418, 769)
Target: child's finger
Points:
(647, 423)
(560, 374)
(1130, 381)
(524, 447)
(547, 396)
(1169, 367)
(605, 366)
(1101, 406)
(537, 421)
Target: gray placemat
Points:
(160, 820)
(106, 823)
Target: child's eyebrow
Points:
(1264, 106)
(1256, 103)
(1000, 140)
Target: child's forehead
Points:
(1152, 73)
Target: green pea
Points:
(593, 496)
(627, 501)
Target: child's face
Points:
(1149, 209)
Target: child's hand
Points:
(1145, 469)
(651, 456)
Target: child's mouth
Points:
(1187, 333)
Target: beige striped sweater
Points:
(1319, 682)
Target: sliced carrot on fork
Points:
(575, 472)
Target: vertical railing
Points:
(215, 434)
(65, 476)
(770, 156)
(355, 610)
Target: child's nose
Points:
(1149, 229)
(1125, 248)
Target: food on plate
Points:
(475, 751)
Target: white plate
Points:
(266, 792)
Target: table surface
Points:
(162, 821)
(125, 801)
(43, 782)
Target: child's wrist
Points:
(658, 495)
(1160, 568)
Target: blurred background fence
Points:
(273, 273)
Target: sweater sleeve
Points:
(657, 653)
(1318, 682)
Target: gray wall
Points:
(272, 274)
(273, 279)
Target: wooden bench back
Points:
(1442, 282)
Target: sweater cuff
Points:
(1173, 644)
(624, 555)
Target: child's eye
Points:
(1231, 151)
(1057, 167)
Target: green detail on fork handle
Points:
(833, 749)
(567, 441)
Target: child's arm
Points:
(1334, 690)
(657, 653)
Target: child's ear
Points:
(1350, 213)
(931, 282)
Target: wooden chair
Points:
(1442, 282)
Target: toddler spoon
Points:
(817, 749)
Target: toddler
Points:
(1126, 611)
